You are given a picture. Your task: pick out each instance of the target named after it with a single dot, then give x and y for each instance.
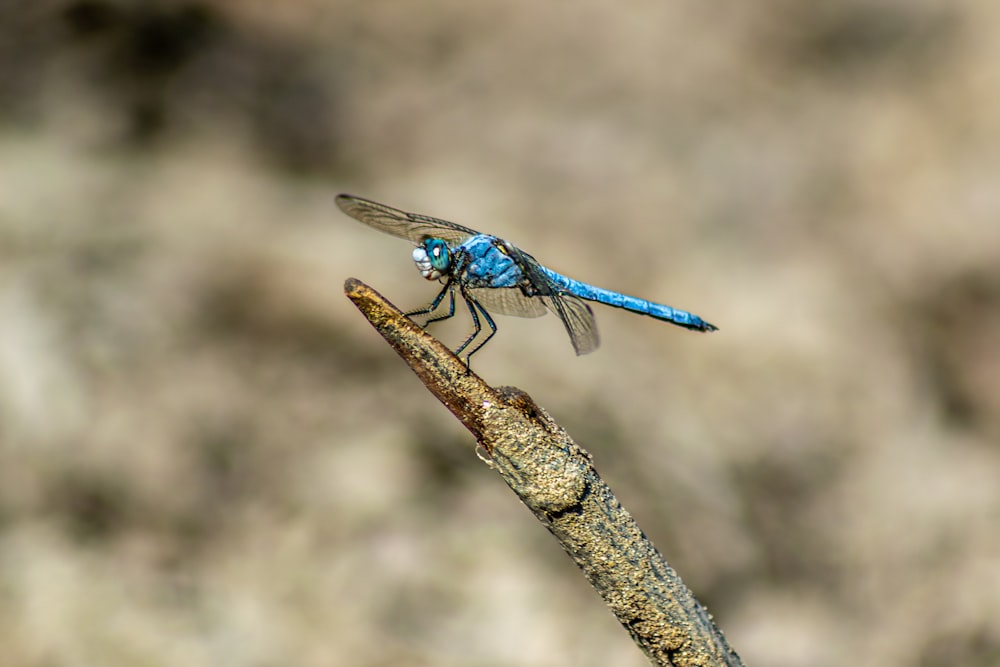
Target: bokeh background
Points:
(207, 457)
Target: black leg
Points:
(493, 331)
(471, 303)
(451, 308)
(475, 309)
(448, 289)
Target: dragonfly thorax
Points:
(433, 258)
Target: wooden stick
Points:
(557, 481)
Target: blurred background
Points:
(207, 457)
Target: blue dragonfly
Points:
(492, 274)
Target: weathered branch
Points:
(557, 481)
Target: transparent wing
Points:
(411, 226)
(578, 319)
(574, 312)
(509, 301)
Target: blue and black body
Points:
(492, 274)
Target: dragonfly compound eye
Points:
(439, 254)
(432, 258)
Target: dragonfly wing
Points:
(574, 312)
(509, 301)
(578, 319)
(411, 226)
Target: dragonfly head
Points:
(433, 258)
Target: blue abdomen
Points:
(631, 303)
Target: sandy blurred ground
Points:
(208, 458)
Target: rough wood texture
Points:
(557, 480)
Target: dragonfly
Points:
(491, 274)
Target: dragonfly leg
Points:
(473, 306)
(477, 327)
(448, 289)
(451, 308)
